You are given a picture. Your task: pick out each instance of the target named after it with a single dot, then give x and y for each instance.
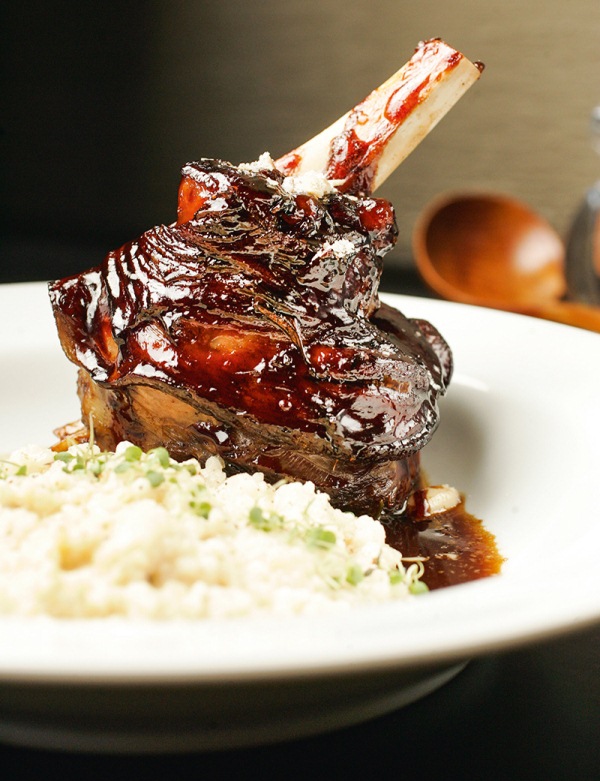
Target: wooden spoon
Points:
(492, 250)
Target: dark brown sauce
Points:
(243, 303)
(454, 546)
(240, 330)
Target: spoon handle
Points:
(570, 313)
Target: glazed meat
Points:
(251, 328)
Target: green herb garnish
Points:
(354, 575)
(319, 537)
(20, 469)
(162, 455)
(155, 478)
(201, 508)
(133, 453)
(266, 523)
(418, 587)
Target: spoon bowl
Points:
(491, 250)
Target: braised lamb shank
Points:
(251, 327)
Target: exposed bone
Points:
(362, 148)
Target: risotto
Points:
(89, 534)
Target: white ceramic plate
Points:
(520, 435)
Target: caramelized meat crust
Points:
(251, 328)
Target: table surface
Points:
(527, 714)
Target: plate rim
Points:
(354, 656)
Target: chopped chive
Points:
(201, 508)
(418, 587)
(258, 519)
(354, 574)
(66, 457)
(266, 523)
(20, 469)
(318, 537)
(96, 467)
(124, 466)
(133, 453)
(162, 454)
(155, 478)
(396, 576)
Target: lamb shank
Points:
(251, 328)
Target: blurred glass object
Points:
(583, 243)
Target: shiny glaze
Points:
(245, 303)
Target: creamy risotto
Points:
(90, 534)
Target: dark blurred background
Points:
(102, 104)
